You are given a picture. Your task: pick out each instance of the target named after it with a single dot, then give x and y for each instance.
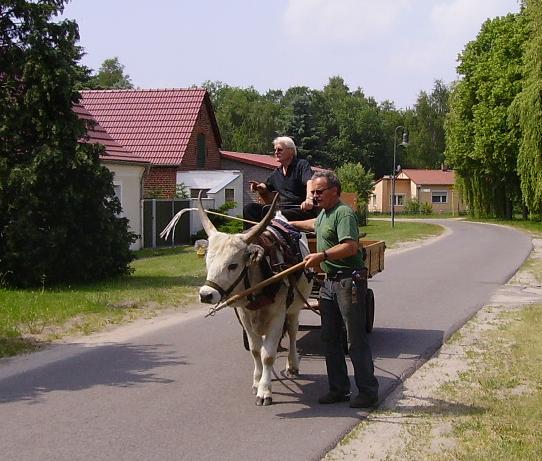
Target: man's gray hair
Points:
(331, 179)
(285, 141)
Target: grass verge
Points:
(401, 232)
(30, 318)
(504, 382)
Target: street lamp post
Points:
(394, 172)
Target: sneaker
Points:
(363, 401)
(334, 397)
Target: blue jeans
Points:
(337, 309)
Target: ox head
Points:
(229, 256)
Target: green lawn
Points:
(29, 318)
(401, 232)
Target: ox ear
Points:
(255, 254)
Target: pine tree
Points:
(58, 214)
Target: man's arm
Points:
(308, 203)
(342, 250)
(306, 225)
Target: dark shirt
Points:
(292, 187)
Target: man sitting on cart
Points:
(343, 293)
(291, 180)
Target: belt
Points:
(357, 274)
(339, 275)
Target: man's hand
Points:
(256, 186)
(307, 205)
(314, 260)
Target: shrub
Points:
(412, 206)
(427, 208)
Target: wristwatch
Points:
(325, 255)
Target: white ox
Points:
(228, 257)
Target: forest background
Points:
(487, 125)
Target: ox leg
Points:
(292, 364)
(268, 355)
(255, 342)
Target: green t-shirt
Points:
(333, 227)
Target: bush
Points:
(413, 206)
(427, 208)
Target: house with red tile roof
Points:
(432, 187)
(127, 168)
(176, 131)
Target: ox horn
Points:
(255, 231)
(208, 226)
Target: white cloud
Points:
(460, 18)
(341, 21)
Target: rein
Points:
(225, 293)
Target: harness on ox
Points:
(280, 242)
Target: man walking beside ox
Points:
(342, 296)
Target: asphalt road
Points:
(180, 389)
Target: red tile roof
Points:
(264, 161)
(97, 135)
(154, 124)
(431, 177)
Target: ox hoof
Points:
(265, 402)
(292, 373)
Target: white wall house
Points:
(220, 186)
(127, 169)
(127, 181)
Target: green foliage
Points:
(110, 76)
(330, 127)
(426, 127)
(181, 191)
(58, 211)
(481, 146)
(412, 206)
(354, 178)
(426, 208)
(248, 121)
(222, 223)
(527, 112)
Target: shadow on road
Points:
(126, 365)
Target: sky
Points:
(391, 49)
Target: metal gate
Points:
(156, 215)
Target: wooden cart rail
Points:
(373, 254)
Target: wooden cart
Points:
(373, 256)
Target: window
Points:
(117, 188)
(229, 195)
(195, 192)
(439, 197)
(399, 199)
(201, 151)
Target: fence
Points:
(156, 215)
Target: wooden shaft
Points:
(262, 284)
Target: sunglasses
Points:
(320, 191)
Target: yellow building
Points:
(434, 187)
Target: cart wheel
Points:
(245, 340)
(370, 313)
